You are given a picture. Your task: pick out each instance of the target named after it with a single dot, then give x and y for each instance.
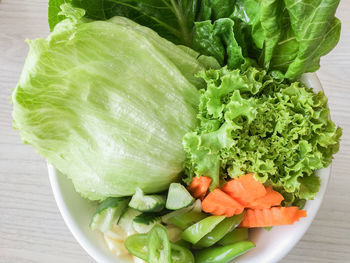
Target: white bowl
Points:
(270, 247)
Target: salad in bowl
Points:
(185, 123)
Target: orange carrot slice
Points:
(245, 189)
(199, 186)
(271, 198)
(219, 203)
(274, 216)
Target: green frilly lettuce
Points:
(252, 122)
(108, 103)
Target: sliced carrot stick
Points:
(199, 186)
(271, 198)
(219, 203)
(273, 216)
(245, 189)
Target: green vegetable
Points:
(180, 254)
(126, 220)
(137, 245)
(223, 254)
(223, 228)
(285, 37)
(183, 243)
(107, 107)
(186, 219)
(171, 19)
(147, 218)
(108, 213)
(236, 235)
(158, 245)
(195, 207)
(198, 230)
(252, 122)
(144, 222)
(147, 203)
(178, 197)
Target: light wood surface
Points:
(31, 228)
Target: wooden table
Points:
(31, 227)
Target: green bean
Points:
(185, 220)
(220, 231)
(223, 254)
(198, 230)
(238, 234)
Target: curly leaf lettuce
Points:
(108, 103)
(251, 122)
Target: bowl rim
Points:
(96, 254)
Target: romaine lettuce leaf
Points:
(107, 103)
(251, 122)
(284, 36)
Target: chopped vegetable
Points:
(108, 213)
(245, 189)
(126, 220)
(198, 230)
(236, 235)
(184, 220)
(218, 202)
(199, 186)
(158, 245)
(180, 254)
(178, 197)
(271, 198)
(195, 207)
(144, 222)
(223, 228)
(274, 216)
(147, 203)
(137, 245)
(224, 254)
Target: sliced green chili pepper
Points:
(198, 230)
(238, 234)
(183, 243)
(180, 254)
(223, 254)
(185, 220)
(220, 231)
(158, 245)
(137, 245)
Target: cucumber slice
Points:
(147, 203)
(126, 220)
(144, 222)
(178, 197)
(108, 213)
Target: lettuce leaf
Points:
(172, 20)
(282, 36)
(252, 122)
(108, 103)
